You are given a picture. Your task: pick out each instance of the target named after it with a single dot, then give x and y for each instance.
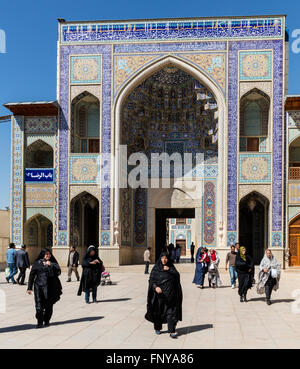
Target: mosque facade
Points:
(212, 88)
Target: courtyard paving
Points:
(212, 318)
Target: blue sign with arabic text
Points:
(39, 175)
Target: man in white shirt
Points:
(147, 260)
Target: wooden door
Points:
(294, 242)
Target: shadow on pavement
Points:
(191, 329)
(115, 300)
(25, 327)
(275, 301)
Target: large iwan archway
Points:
(170, 106)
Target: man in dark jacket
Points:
(22, 262)
(73, 263)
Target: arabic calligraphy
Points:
(169, 29)
(39, 175)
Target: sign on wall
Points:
(39, 175)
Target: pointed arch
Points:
(255, 124)
(84, 220)
(85, 123)
(199, 75)
(38, 234)
(254, 224)
(39, 154)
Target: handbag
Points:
(211, 267)
(274, 273)
(6, 272)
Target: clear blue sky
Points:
(28, 69)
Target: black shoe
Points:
(47, 323)
(69, 280)
(269, 302)
(245, 299)
(7, 280)
(242, 299)
(39, 325)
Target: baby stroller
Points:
(105, 277)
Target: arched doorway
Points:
(188, 121)
(173, 109)
(253, 224)
(38, 234)
(84, 221)
(294, 241)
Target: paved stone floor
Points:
(211, 318)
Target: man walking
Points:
(22, 262)
(237, 248)
(11, 263)
(192, 252)
(73, 260)
(230, 258)
(147, 260)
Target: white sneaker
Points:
(233, 286)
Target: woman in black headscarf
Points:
(245, 270)
(91, 274)
(164, 303)
(47, 287)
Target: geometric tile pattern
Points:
(126, 65)
(39, 195)
(294, 119)
(294, 193)
(105, 238)
(231, 238)
(213, 64)
(255, 65)
(265, 86)
(84, 169)
(62, 238)
(277, 239)
(254, 168)
(85, 69)
(93, 190)
(40, 124)
(209, 213)
(17, 181)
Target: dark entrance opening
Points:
(91, 227)
(161, 216)
(253, 225)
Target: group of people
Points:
(241, 267)
(17, 259)
(164, 298)
(174, 252)
(207, 262)
(44, 277)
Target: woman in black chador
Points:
(91, 274)
(164, 303)
(245, 270)
(47, 287)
